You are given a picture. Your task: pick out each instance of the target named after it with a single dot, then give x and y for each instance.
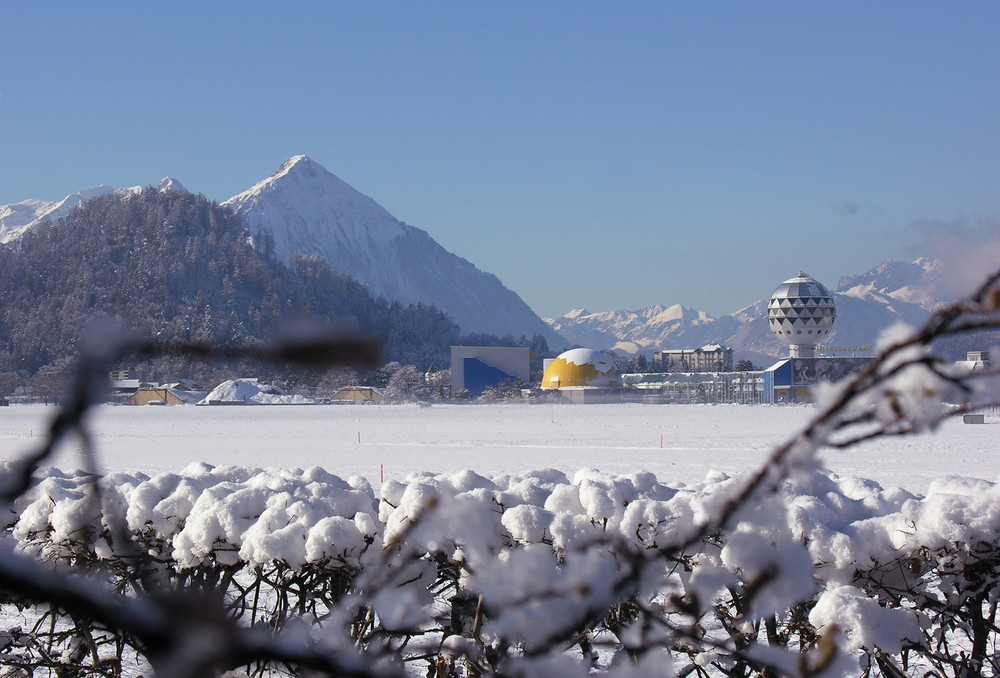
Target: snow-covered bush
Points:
(499, 573)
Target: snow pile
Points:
(250, 392)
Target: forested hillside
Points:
(176, 266)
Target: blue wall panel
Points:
(479, 376)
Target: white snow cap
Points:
(587, 356)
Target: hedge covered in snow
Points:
(541, 574)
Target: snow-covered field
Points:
(833, 545)
(678, 443)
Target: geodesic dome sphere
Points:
(801, 311)
(581, 368)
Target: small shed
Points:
(358, 394)
(149, 395)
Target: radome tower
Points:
(801, 313)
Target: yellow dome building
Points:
(581, 368)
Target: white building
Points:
(708, 358)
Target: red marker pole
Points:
(381, 473)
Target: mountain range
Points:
(304, 209)
(890, 293)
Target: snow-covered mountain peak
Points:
(170, 184)
(305, 169)
(300, 167)
(85, 195)
(19, 218)
(915, 282)
(306, 209)
(674, 312)
(299, 175)
(302, 162)
(660, 314)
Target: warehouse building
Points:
(476, 368)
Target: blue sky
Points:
(596, 154)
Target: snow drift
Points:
(250, 392)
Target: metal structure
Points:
(744, 388)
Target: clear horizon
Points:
(588, 155)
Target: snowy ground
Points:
(493, 439)
(678, 443)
